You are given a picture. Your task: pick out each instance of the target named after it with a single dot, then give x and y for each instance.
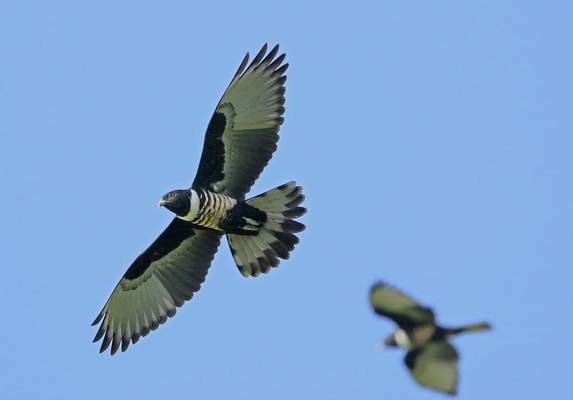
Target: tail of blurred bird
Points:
(275, 237)
(477, 327)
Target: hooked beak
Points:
(161, 203)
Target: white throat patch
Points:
(194, 209)
(402, 339)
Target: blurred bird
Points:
(431, 359)
(240, 140)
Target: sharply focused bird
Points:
(431, 359)
(240, 140)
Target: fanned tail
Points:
(275, 238)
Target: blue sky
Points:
(434, 142)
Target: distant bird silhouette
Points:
(431, 359)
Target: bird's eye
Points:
(171, 195)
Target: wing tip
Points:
(242, 65)
(379, 284)
(123, 342)
(262, 58)
(258, 57)
(282, 69)
(99, 317)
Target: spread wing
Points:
(435, 365)
(243, 132)
(401, 309)
(161, 279)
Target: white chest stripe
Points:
(194, 207)
(402, 339)
(194, 210)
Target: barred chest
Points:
(208, 208)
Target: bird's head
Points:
(177, 201)
(389, 341)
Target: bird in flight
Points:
(240, 140)
(431, 359)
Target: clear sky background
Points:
(434, 143)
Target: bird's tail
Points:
(274, 238)
(478, 327)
